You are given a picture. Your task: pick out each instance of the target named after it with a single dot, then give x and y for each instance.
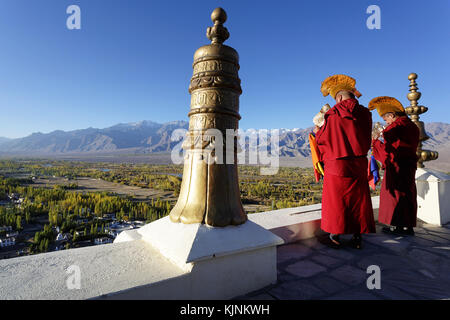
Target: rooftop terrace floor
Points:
(412, 267)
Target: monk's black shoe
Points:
(406, 231)
(398, 231)
(335, 242)
(387, 230)
(391, 230)
(356, 242)
(327, 241)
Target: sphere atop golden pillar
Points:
(412, 76)
(219, 16)
(218, 33)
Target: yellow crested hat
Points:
(332, 85)
(385, 105)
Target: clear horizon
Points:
(132, 60)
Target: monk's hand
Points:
(377, 131)
(376, 134)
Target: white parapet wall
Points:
(433, 196)
(84, 273)
(163, 260)
(169, 261)
(290, 224)
(294, 224)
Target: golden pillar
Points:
(414, 110)
(210, 188)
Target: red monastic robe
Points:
(398, 196)
(344, 141)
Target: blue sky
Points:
(132, 59)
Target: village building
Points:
(103, 240)
(5, 228)
(7, 242)
(12, 234)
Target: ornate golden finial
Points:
(414, 110)
(209, 191)
(218, 34)
(414, 95)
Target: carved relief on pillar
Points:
(218, 81)
(215, 66)
(215, 98)
(205, 121)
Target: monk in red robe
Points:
(398, 196)
(344, 141)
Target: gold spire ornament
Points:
(414, 110)
(209, 191)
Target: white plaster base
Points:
(221, 263)
(220, 278)
(433, 196)
(184, 244)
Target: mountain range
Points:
(137, 137)
(4, 140)
(146, 137)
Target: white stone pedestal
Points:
(222, 263)
(433, 196)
